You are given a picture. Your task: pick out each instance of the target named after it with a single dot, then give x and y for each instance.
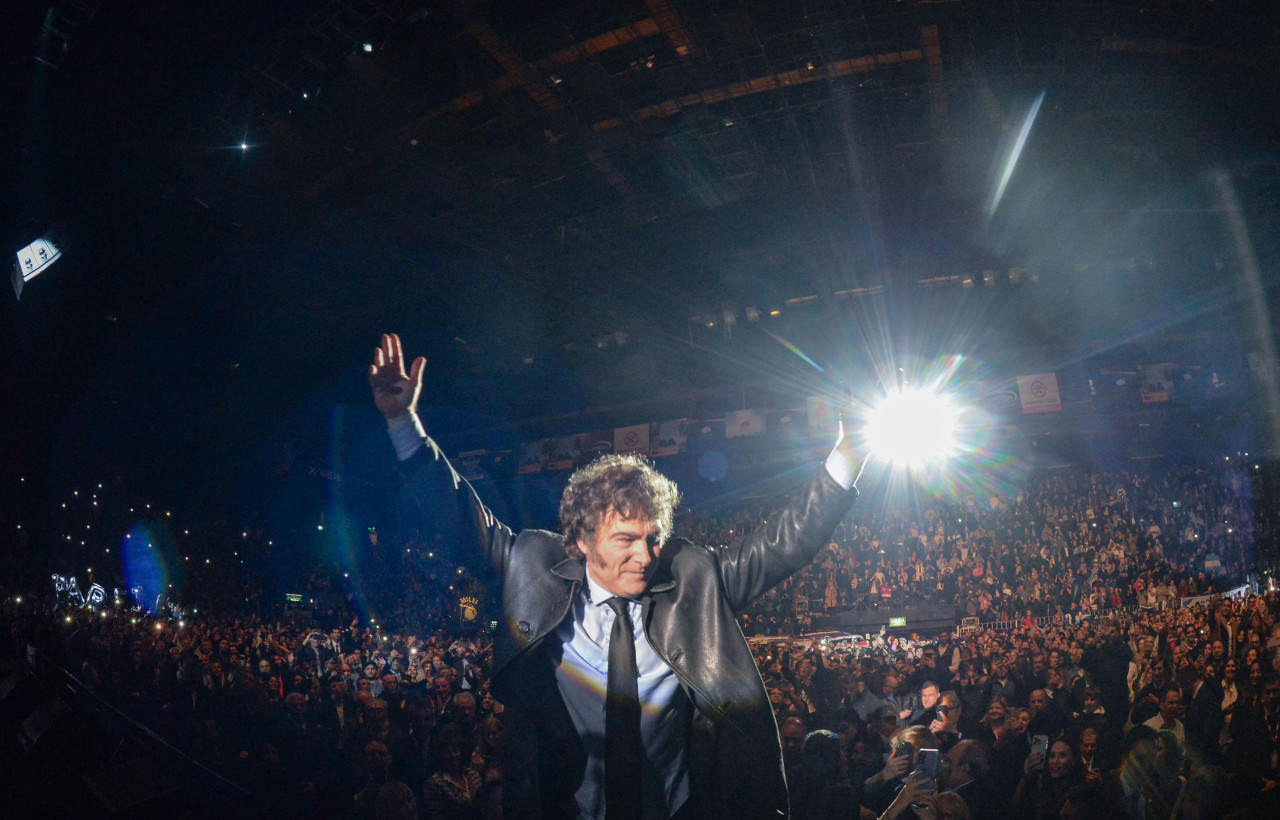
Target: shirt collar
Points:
(596, 594)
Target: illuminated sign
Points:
(898, 621)
(33, 259)
(293, 597)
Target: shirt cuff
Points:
(407, 435)
(839, 468)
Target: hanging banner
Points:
(1205, 600)
(590, 446)
(1039, 393)
(738, 423)
(530, 460)
(666, 438)
(468, 610)
(563, 453)
(633, 439)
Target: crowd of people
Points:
(379, 704)
(1066, 545)
(1171, 712)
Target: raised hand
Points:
(395, 393)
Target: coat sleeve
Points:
(441, 495)
(786, 543)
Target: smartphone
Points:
(1040, 745)
(927, 762)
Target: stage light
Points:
(912, 427)
(33, 259)
(368, 48)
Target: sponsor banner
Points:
(822, 416)
(1157, 383)
(530, 461)
(706, 432)
(738, 423)
(591, 446)
(1212, 561)
(998, 400)
(633, 439)
(666, 438)
(471, 466)
(1039, 393)
(563, 453)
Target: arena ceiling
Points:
(583, 205)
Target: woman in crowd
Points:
(453, 792)
(997, 713)
(1046, 780)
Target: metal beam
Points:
(672, 26)
(769, 82)
(937, 88)
(599, 44)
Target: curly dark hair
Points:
(626, 484)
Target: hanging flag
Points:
(739, 423)
(633, 439)
(667, 438)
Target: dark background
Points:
(575, 210)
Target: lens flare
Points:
(913, 427)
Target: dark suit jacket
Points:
(1205, 720)
(690, 619)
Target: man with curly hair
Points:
(630, 689)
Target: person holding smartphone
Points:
(1046, 780)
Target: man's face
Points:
(1077, 653)
(929, 697)
(1170, 705)
(624, 555)
(792, 738)
(890, 686)
(1038, 701)
(1088, 744)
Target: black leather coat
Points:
(689, 617)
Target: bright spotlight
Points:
(912, 427)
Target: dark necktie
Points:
(623, 748)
